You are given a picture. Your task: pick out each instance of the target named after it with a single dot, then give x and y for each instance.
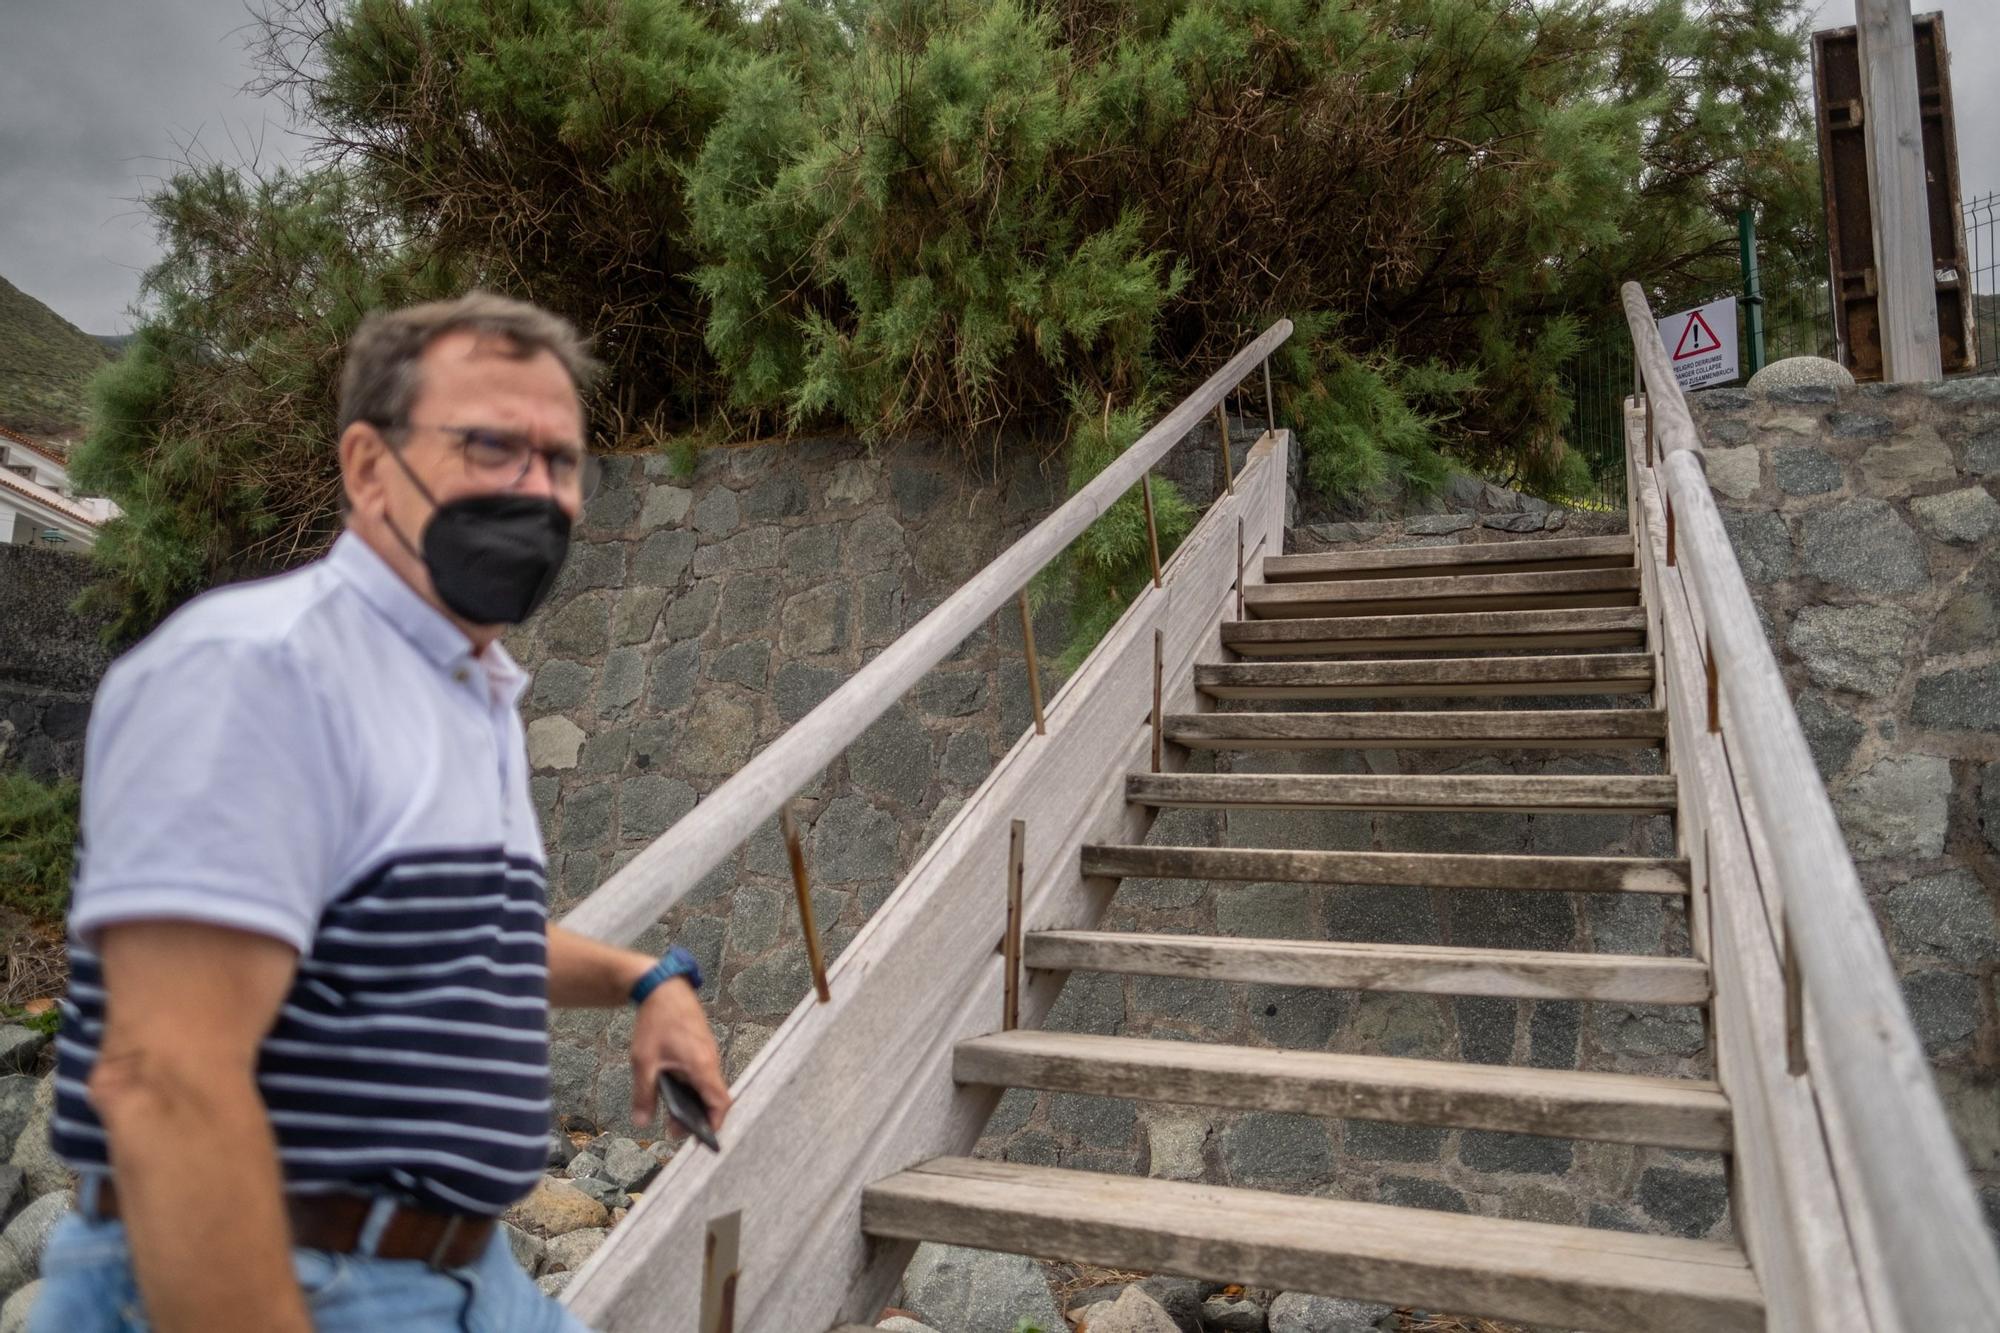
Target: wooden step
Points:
(1602, 627)
(1437, 677)
(1569, 729)
(1426, 969)
(1560, 1103)
(1530, 1272)
(1465, 592)
(1417, 870)
(1539, 794)
(1546, 555)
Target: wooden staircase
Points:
(854, 1126)
(1571, 1276)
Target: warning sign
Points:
(1702, 343)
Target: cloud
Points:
(98, 99)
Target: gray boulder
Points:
(628, 1166)
(1297, 1312)
(32, 1153)
(978, 1291)
(19, 1047)
(552, 1284)
(28, 1234)
(1799, 372)
(1232, 1314)
(529, 1251)
(571, 1249)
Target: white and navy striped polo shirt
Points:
(319, 757)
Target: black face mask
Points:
(492, 558)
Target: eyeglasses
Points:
(503, 458)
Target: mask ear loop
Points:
(422, 490)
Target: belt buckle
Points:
(450, 1233)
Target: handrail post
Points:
(802, 887)
(1034, 664)
(1010, 944)
(1152, 528)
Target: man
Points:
(304, 1058)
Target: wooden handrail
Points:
(678, 859)
(1868, 1067)
(1672, 425)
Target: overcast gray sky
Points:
(97, 98)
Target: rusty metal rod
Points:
(1239, 567)
(1010, 946)
(1270, 403)
(1034, 664)
(1795, 1008)
(1159, 651)
(1152, 529)
(802, 886)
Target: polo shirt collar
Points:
(381, 587)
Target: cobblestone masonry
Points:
(1867, 525)
(50, 660)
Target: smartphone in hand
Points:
(687, 1109)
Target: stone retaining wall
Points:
(50, 660)
(1867, 525)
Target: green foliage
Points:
(1111, 562)
(886, 214)
(45, 367)
(214, 433)
(38, 828)
(899, 240)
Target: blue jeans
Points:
(88, 1287)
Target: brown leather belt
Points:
(333, 1222)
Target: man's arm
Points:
(671, 1031)
(175, 1086)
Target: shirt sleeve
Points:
(211, 794)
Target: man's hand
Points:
(671, 1032)
(175, 1086)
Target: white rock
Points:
(898, 1323)
(552, 1284)
(1133, 1312)
(1794, 372)
(14, 1314)
(553, 742)
(1735, 472)
(665, 505)
(1175, 1145)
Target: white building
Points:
(37, 503)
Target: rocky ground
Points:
(34, 1187)
(952, 1290)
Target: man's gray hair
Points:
(380, 380)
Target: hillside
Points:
(45, 366)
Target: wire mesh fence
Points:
(1798, 321)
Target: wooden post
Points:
(1239, 567)
(1892, 129)
(1152, 529)
(802, 886)
(1010, 947)
(719, 1272)
(1034, 664)
(1714, 694)
(1795, 1005)
(1159, 651)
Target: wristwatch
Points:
(676, 962)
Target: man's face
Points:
(468, 384)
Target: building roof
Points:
(46, 451)
(45, 496)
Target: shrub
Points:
(38, 831)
